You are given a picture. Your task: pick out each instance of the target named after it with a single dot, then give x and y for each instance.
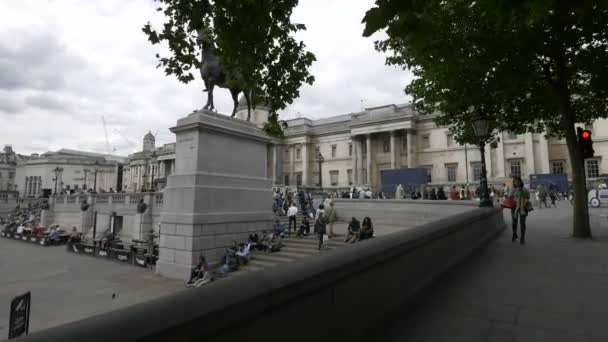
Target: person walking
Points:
(521, 196)
(542, 196)
(331, 218)
(320, 227)
(291, 214)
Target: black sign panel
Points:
(19, 321)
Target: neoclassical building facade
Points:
(357, 147)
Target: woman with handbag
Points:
(519, 213)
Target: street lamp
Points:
(84, 186)
(481, 127)
(58, 171)
(320, 160)
(95, 170)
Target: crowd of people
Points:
(25, 221)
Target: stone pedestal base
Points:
(220, 191)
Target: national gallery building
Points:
(356, 147)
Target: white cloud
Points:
(65, 64)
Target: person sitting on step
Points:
(367, 229)
(279, 228)
(229, 261)
(354, 228)
(244, 254)
(304, 227)
(200, 273)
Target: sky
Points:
(66, 66)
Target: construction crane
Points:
(105, 131)
(133, 145)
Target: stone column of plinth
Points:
(47, 216)
(219, 192)
(87, 217)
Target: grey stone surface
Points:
(553, 288)
(67, 287)
(220, 189)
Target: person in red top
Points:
(454, 195)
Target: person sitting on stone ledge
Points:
(200, 273)
(367, 229)
(354, 228)
(75, 236)
(304, 227)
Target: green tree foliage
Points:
(253, 37)
(528, 66)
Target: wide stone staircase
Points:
(294, 248)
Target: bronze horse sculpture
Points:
(213, 74)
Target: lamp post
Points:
(95, 170)
(58, 171)
(86, 171)
(482, 131)
(320, 160)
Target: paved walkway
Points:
(66, 287)
(553, 288)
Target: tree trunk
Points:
(580, 228)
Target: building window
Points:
(334, 150)
(593, 168)
(386, 145)
(350, 150)
(452, 168)
(426, 141)
(11, 174)
(315, 176)
(511, 136)
(298, 179)
(476, 167)
(286, 177)
(450, 139)
(429, 173)
(557, 167)
(349, 174)
(298, 154)
(333, 177)
(515, 168)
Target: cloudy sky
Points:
(65, 64)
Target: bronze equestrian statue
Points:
(213, 74)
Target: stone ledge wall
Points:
(403, 213)
(343, 295)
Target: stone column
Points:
(529, 153)
(544, 154)
(500, 158)
(292, 168)
(368, 146)
(488, 153)
(213, 197)
(354, 159)
(275, 175)
(360, 161)
(410, 150)
(394, 155)
(304, 152)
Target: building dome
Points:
(259, 116)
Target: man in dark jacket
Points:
(320, 229)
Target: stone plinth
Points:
(220, 191)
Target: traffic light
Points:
(585, 143)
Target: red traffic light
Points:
(586, 134)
